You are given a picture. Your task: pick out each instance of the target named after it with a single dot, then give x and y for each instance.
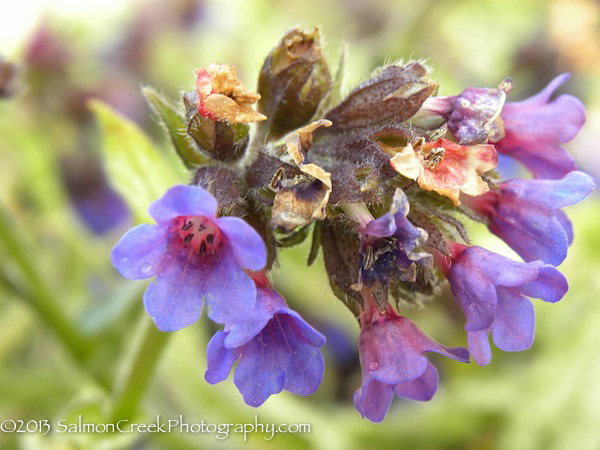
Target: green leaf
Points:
(176, 127)
(136, 169)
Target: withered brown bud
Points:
(393, 94)
(223, 141)
(293, 80)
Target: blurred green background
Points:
(74, 339)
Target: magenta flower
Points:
(536, 127)
(492, 291)
(275, 350)
(196, 258)
(526, 214)
(392, 357)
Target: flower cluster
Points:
(383, 179)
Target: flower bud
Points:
(392, 95)
(221, 140)
(293, 80)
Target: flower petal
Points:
(183, 200)
(544, 160)
(534, 233)
(479, 346)
(268, 301)
(514, 325)
(139, 252)
(279, 358)
(258, 374)
(247, 245)
(551, 194)
(174, 298)
(474, 277)
(230, 294)
(550, 285)
(383, 226)
(305, 331)
(422, 389)
(302, 362)
(392, 352)
(557, 121)
(407, 163)
(534, 128)
(373, 399)
(219, 359)
(566, 224)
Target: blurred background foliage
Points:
(74, 337)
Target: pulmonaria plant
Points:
(383, 180)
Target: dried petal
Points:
(301, 201)
(447, 168)
(221, 96)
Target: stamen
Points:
(200, 233)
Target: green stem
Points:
(40, 296)
(137, 370)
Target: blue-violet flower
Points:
(492, 291)
(196, 258)
(526, 214)
(275, 349)
(394, 230)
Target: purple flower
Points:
(393, 231)
(492, 291)
(474, 115)
(536, 127)
(196, 258)
(275, 349)
(526, 214)
(392, 357)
